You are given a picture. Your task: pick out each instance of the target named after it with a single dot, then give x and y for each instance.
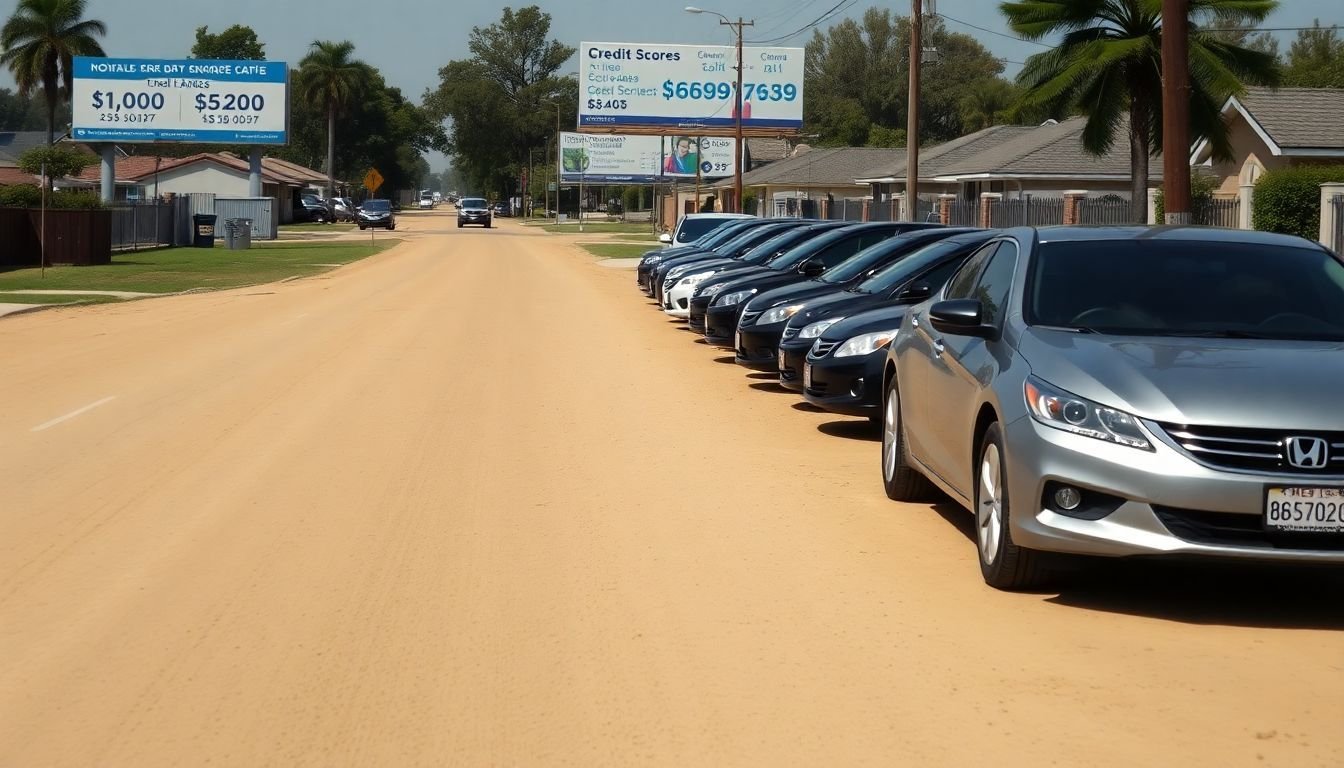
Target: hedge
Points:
(30, 196)
(1288, 200)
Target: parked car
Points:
(1128, 391)
(715, 308)
(766, 317)
(736, 248)
(841, 357)
(312, 209)
(926, 258)
(343, 208)
(502, 209)
(473, 210)
(682, 281)
(692, 225)
(426, 201)
(721, 232)
(377, 214)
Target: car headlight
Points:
(691, 281)
(814, 330)
(778, 314)
(1056, 408)
(676, 272)
(710, 290)
(734, 298)
(866, 344)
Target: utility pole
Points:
(912, 119)
(737, 113)
(1175, 111)
(698, 139)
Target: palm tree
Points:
(1108, 67)
(39, 43)
(330, 79)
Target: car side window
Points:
(963, 282)
(995, 282)
(937, 277)
(840, 251)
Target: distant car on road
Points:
(376, 214)
(426, 201)
(502, 209)
(473, 210)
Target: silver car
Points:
(1128, 391)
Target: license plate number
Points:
(807, 375)
(1305, 510)
(781, 359)
(737, 340)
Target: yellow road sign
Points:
(373, 180)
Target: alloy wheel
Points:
(891, 424)
(989, 505)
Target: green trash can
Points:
(205, 230)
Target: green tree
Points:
(39, 43)
(56, 161)
(331, 79)
(1316, 59)
(1108, 66)
(238, 42)
(502, 101)
(990, 102)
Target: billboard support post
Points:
(254, 172)
(109, 175)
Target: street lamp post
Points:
(737, 101)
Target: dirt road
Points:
(472, 502)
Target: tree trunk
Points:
(331, 151)
(1139, 143)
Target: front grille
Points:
(822, 348)
(790, 332)
(748, 318)
(818, 388)
(1232, 530)
(1255, 450)
(788, 373)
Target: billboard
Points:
(624, 159)
(189, 100)
(653, 87)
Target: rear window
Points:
(473, 202)
(694, 229)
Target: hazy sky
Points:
(410, 39)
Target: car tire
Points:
(1003, 564)
(459, 225)
(901, 481)
(361, 229)
(487, 225)
(321, 218)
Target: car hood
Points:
(793, 294)
(869, 321)
(474, 211)
(843, 303)
(1212, 382)
(760, 278)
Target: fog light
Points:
(856, 388)
(1068, 498)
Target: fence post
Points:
(866, 201)
(1152, 206)
(1328, 212)
(945, 208)
(825, 209)
(1246, 203)
(987, 200)
(1073, 203)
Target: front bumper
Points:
(757, 347)
(473, 218)
(789, 363)
(848, 385)
(1164, 502)
(677, 302)
(721, 324)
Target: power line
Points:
(839, 7)
(993, 32)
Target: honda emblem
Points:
(1307, 452)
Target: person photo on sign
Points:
(684, 158)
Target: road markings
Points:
(73, 414)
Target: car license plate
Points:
(1305, 510)
(737, 340)
(781, 359)
(807, 375)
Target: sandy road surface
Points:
(471, 502)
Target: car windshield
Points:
(377, 205)
(860, 262)
(920, 256)
(721, 235)
(1187, 288)
(807, 250)
(749, 239)
(473, 202)
(693, 229)
(780, 242)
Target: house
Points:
(10, 175)
(786, 187)
(1013, 160)
(15, 143)
(1270, 129)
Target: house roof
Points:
(1052, 150)
(821, 167)
(1291, 121)
(11, 176)
(933, 159)
(768, 150)
(15, 143)
(137, 168)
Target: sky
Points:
(408, 40)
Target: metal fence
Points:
(1218, 213)
(1338, 235)
(142, 224)
(261, 210)
(1101, 211)
(964, 213)
(1027, 211)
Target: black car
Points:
(723, 231)
(503, 209)
(906, 281)
(376, 213)
(473, 210)
(312, 209)
(715, 309)
(765, 316)
(692, 274)
(735, 248)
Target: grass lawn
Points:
(616, 250)
(603, 227)
(179, 269)
(33, 298)
(344, 226)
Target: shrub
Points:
(631, 201)
(748, 203)
(76, 199)
(1288, 200)
(20, 196)
(30, 196)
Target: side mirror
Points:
(961, 317)
(916, 292)
(813, 268)
(665, 238)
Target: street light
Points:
(737, 100)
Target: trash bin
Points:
(237, 234)
(204, 224)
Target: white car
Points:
(677, 297)
(426, 201)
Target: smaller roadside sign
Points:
(373, 180)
